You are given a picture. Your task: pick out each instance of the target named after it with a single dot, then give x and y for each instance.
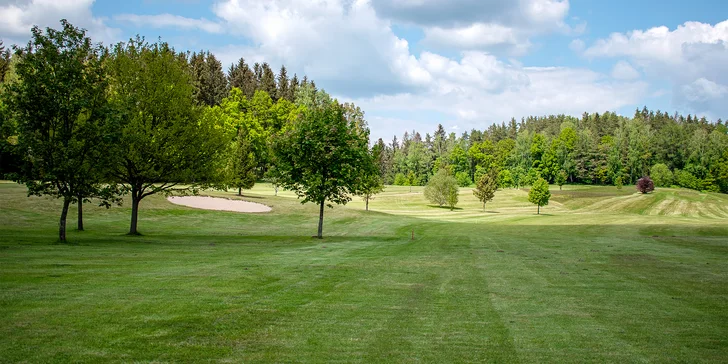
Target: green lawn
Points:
(602, 275)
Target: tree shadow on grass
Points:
(445, 207)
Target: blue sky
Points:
(412, 64)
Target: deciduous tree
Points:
(323, 157)
(164, 145)
(61, 110)
(485, 188)
(539, 194)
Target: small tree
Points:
(452, 195)
(645, 185)
(485, 188)
(539, 194)
(442, 189)
(618, 182)
(241, 165)
(661, 175)
(505, 179)
(561, 178)
(371, 185)
(271, 176)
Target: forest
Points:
(601, 149)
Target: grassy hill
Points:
(603, 275)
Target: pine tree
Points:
(268, 82)
(284, 89)
(242, 77)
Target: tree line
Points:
(605, 149)
(81, 121)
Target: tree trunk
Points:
(276, 187)
(240, 191)
(367, 202)
(62, 222)
(79, 224)
(135, 197)
(559, 187)
(483, 206)
(321, 222)
(538, 211)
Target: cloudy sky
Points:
(411, 64)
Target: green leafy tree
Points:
(371, 185)
(323, 158)
(442, 189)
(241, 165)
(661, 175)
(164, 144)
(561, 178)
(539, 194)
(485, 188)
(400, 179)
(505, 179)
(61, 110)
(618, 182)
(463, 179)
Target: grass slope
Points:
(603, 276)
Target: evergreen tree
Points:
(284, 87)
(268, 82)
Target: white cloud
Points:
(169, 20)
(18, 17)
(624, 71)
(577, 45)
(480, 25)
(693, 57)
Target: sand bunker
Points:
(221, 204)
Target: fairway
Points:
(602, 275)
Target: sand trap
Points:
(221, 204)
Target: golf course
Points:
(600, 275)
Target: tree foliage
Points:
(645, 185)
(661, 175)
(442, 189)
(60, 108)
(539, 194)
(323, 157)
(164, 144)
(485, 188)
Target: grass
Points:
(602, 275)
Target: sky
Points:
(413, 64)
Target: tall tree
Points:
(210, 80)
(4, 61)
(323, 158)
(268, 82)
(164, 144)
(241, 76)
(60, 107)
(284, 86)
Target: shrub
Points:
(618, 182)
(400, 180)
(442, 189)
(687, 180)
(645, 185)
(463, 179)
(661, 175)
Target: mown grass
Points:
(602, 276)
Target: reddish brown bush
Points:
(645, 185)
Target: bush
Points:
(661, 175)
(618, 182)
(442, 189)
(645, 185)
(505, 179)
(400, 180)
(687, 180)
(463, 179)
